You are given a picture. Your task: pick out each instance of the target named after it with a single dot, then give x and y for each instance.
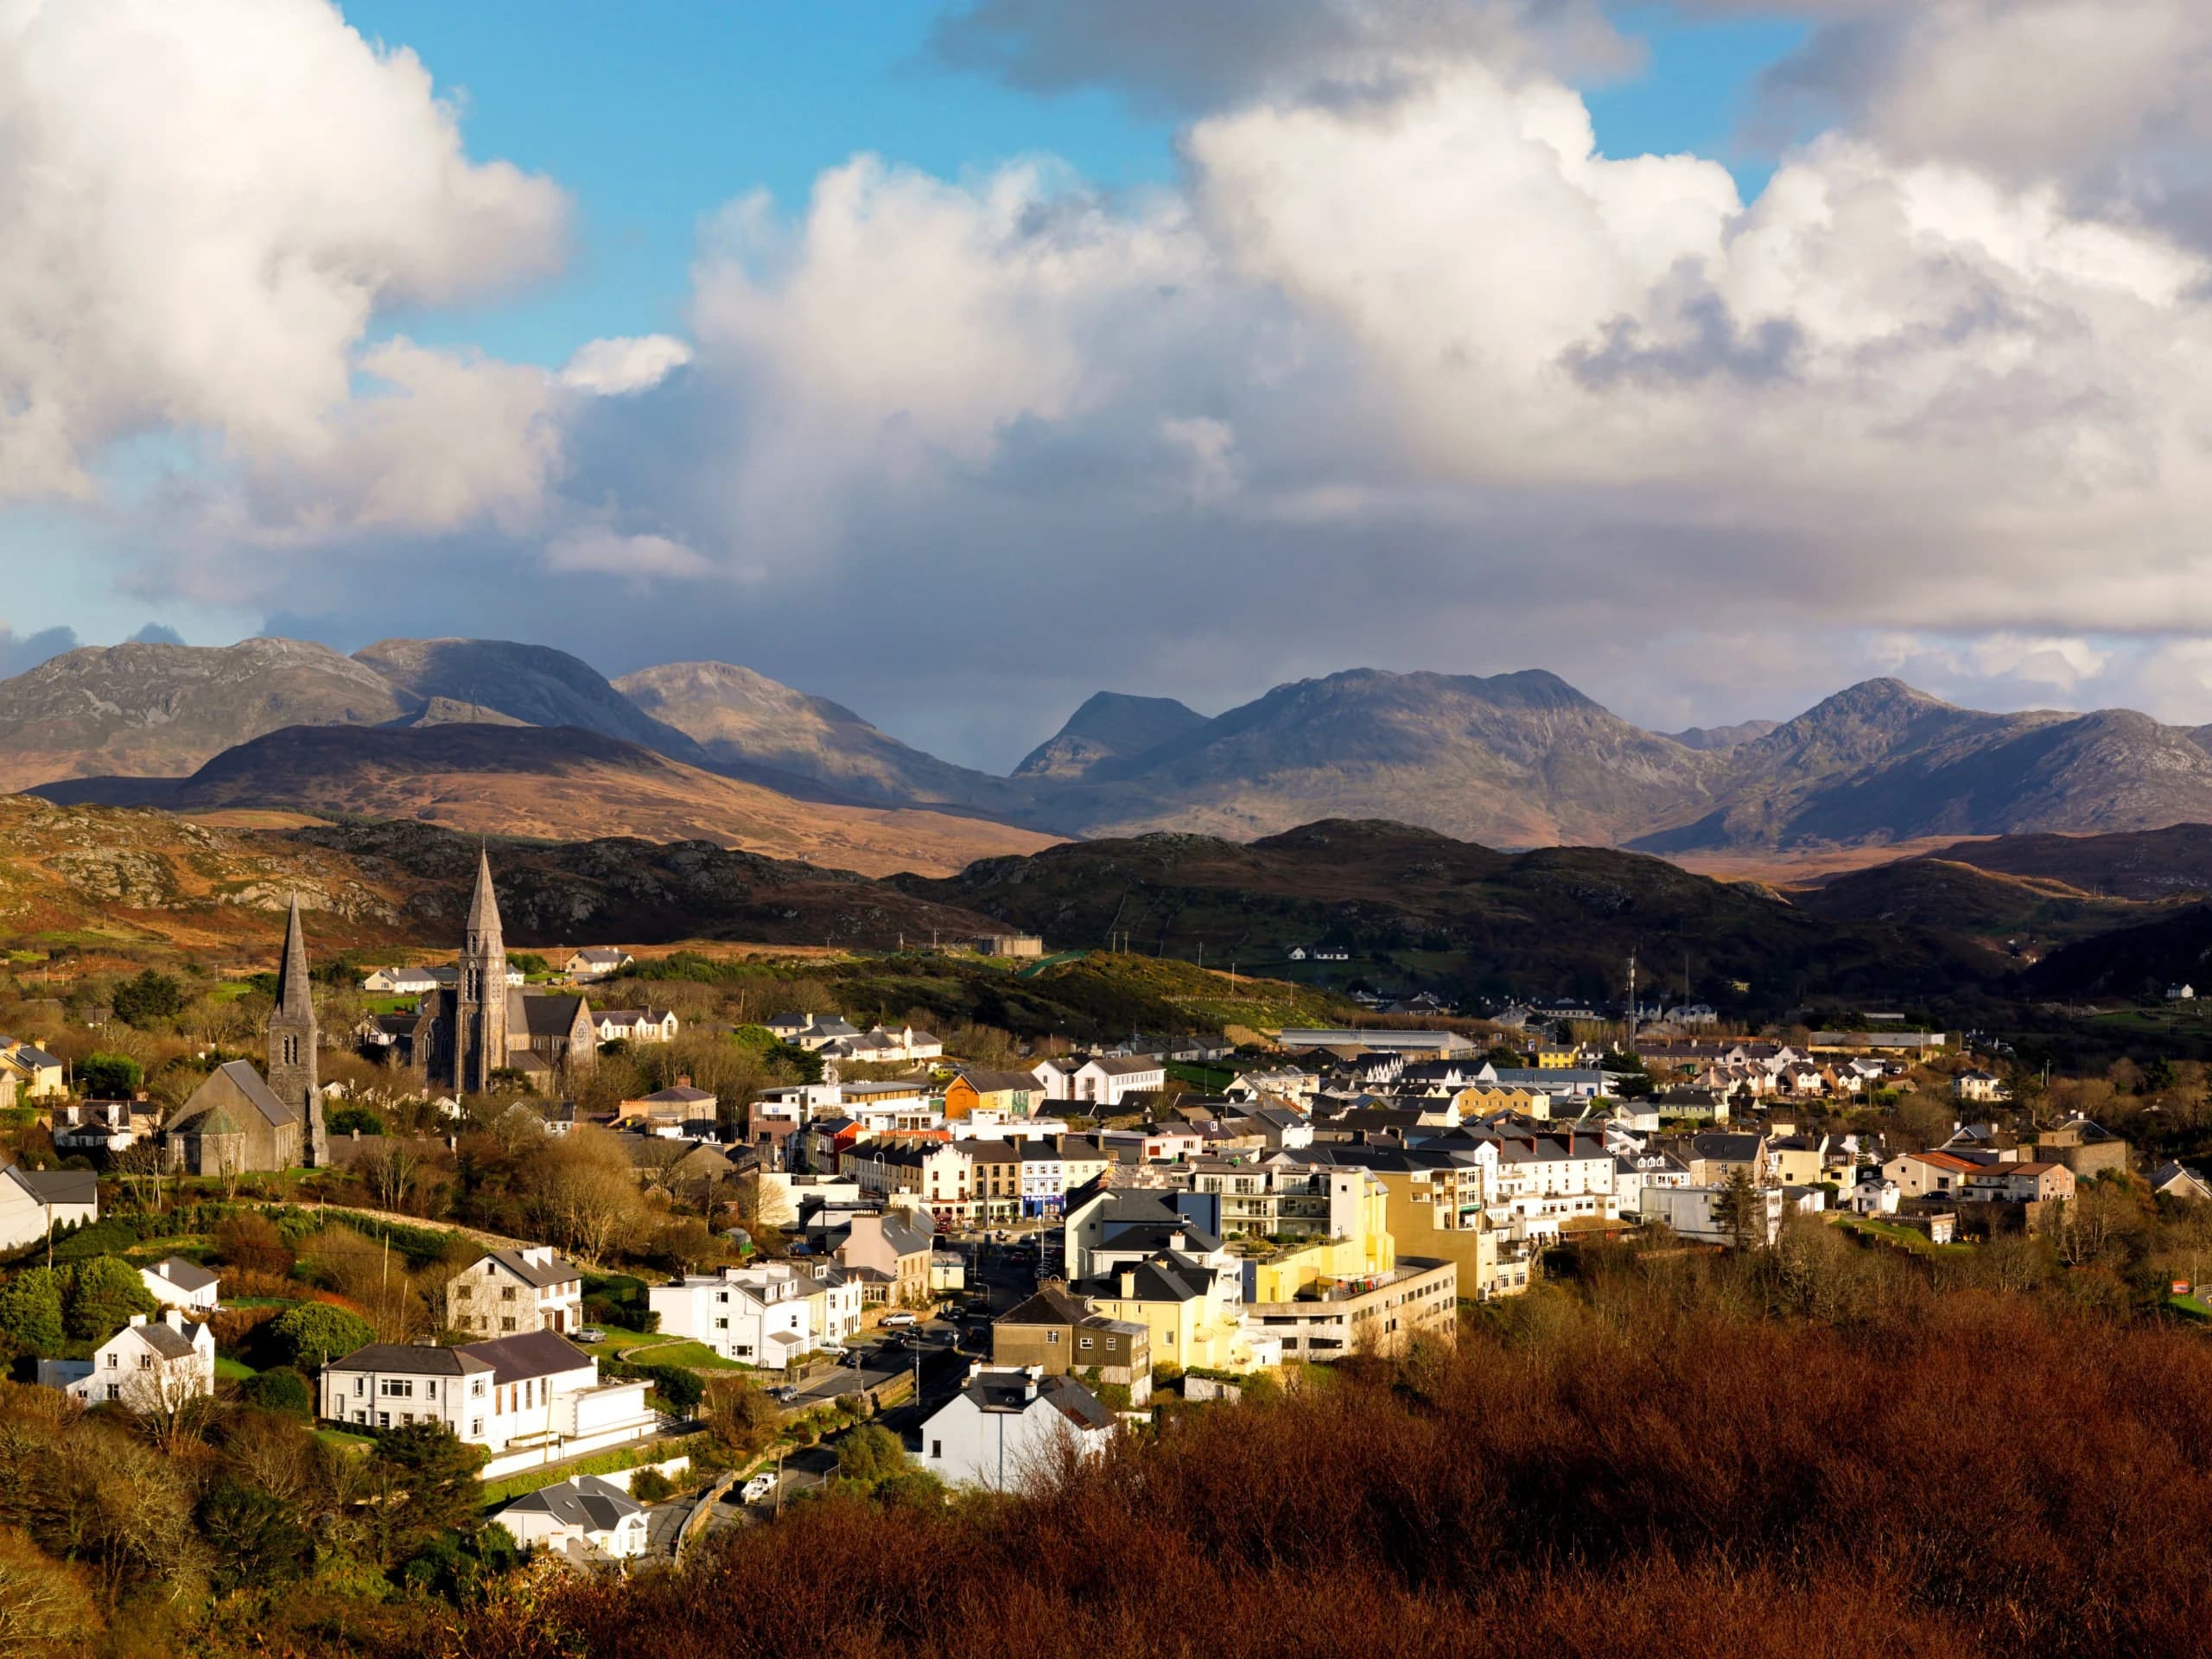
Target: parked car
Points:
(897, 1321)
(760, 1487)
(591, 1334)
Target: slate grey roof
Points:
(543, 1016)
(165, 1340)
(1048, 1307)
(411, 1359)
(559, 1271)
(258, 1095)
(1003, 1392)
(906, 1240)
(58, 1185)
(185, 1275)
(531, 1353)
(583, 1501)
(1000, 1082)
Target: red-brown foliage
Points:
(1964, 1474)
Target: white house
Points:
(1107, 1082)
(535, 1390)
(400, 982)
(811, 1032)
(1875, 1194)
(583, 1516)
(149, 1365)
(597, 961)
(508, 1291)
(174, 1282)
(1010, 1426)
(638, 1025)
(2184, 993)
(1692, 1212)
(759, 1315)
(33, 1202)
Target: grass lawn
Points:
(692, 1356)
(2196, 1307)
(233, 1371)
(1890, 1231)
(342, 1440)
(618, 1339)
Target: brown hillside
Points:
(559, 784)
(88, 875)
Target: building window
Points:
(114, 1391)
(506, 1292)
(361, 1386)
(475, 1427)
(1084, 1343)
(383, 1419)
(507, 1324)
(722, 1324)
(937, 1449)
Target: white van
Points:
(760, 1487)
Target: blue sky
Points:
(653, 116)
(1342, 289)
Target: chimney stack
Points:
(1128, 1284)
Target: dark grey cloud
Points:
(1185, 58)
(1708, 341)
(23, 652)
(157, 633)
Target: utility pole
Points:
(1629, 1047)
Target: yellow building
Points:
(1554, 1057)
(1487, 1099)
(1181, 1304)
(1436, 1212)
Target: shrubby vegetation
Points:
(1670, 1459)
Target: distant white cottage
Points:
(149, 1365)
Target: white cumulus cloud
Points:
(206, 206)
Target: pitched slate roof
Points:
(559, 1271)
(583, 1501)
(999, 1083)
(185, 1275)
(258, 1094)
(543, 1016)
(58, 1186)
(412, 1359)
(164, 1339)
(531, 1353)
(1050, 1305)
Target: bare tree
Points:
(389, 1171)
(139, 1164)
(582, 1193)
(174, 1396)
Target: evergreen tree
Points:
(103, 1293)
(314, 1332)
(31, 1311)
(1740, 1209)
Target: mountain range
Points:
(1519, 759)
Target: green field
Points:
(233, 1371)
(1212, 1079)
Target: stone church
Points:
(462, 1033)
(236, 1122)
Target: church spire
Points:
(293, 1040)
(483, 925)
(295, 991)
